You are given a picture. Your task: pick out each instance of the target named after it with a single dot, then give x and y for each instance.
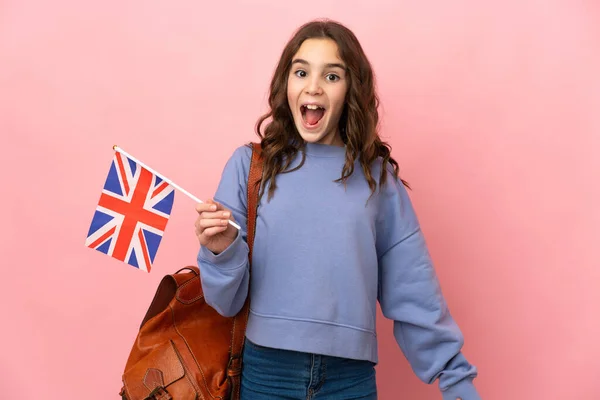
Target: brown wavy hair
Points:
(358, 123)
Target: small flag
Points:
(132, 213)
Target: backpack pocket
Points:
(159, 375)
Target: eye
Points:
(332, 78)
(300, 73)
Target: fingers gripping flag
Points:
(132, 213)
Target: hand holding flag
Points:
(133, 211)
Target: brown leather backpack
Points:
(184, 348)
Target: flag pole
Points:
(182, 190)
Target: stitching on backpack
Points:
(188, 282)
(193, 357)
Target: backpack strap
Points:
(240, 321)
(254, 179)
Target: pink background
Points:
(493, 110)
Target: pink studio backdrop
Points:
(492, 108)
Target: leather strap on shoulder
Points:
(240, 321)
(254, 179)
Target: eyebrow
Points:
(330, 65)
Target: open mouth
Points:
(312, 114)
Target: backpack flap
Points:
(161, 371)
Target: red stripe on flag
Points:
(133, 213)
(102, 238)
(159, 189)
(123, 175)
(144, 248)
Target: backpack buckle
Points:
(159, 393)
(234, 366)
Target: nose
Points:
(313, 86)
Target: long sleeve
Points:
(410, 295)
(225, 276)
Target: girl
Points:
(335, 233)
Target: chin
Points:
(311, 137)
(316, 136)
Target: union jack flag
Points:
(132, 213)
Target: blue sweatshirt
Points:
(324, 255)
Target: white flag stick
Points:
(170, 182)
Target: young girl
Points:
(335, 233)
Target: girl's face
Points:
(316, 91)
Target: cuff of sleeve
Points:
(462, 390)
(232, 257)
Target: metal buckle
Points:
(159, 393)
(231, 370)
(232, 358)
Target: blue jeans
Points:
(272, 374)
